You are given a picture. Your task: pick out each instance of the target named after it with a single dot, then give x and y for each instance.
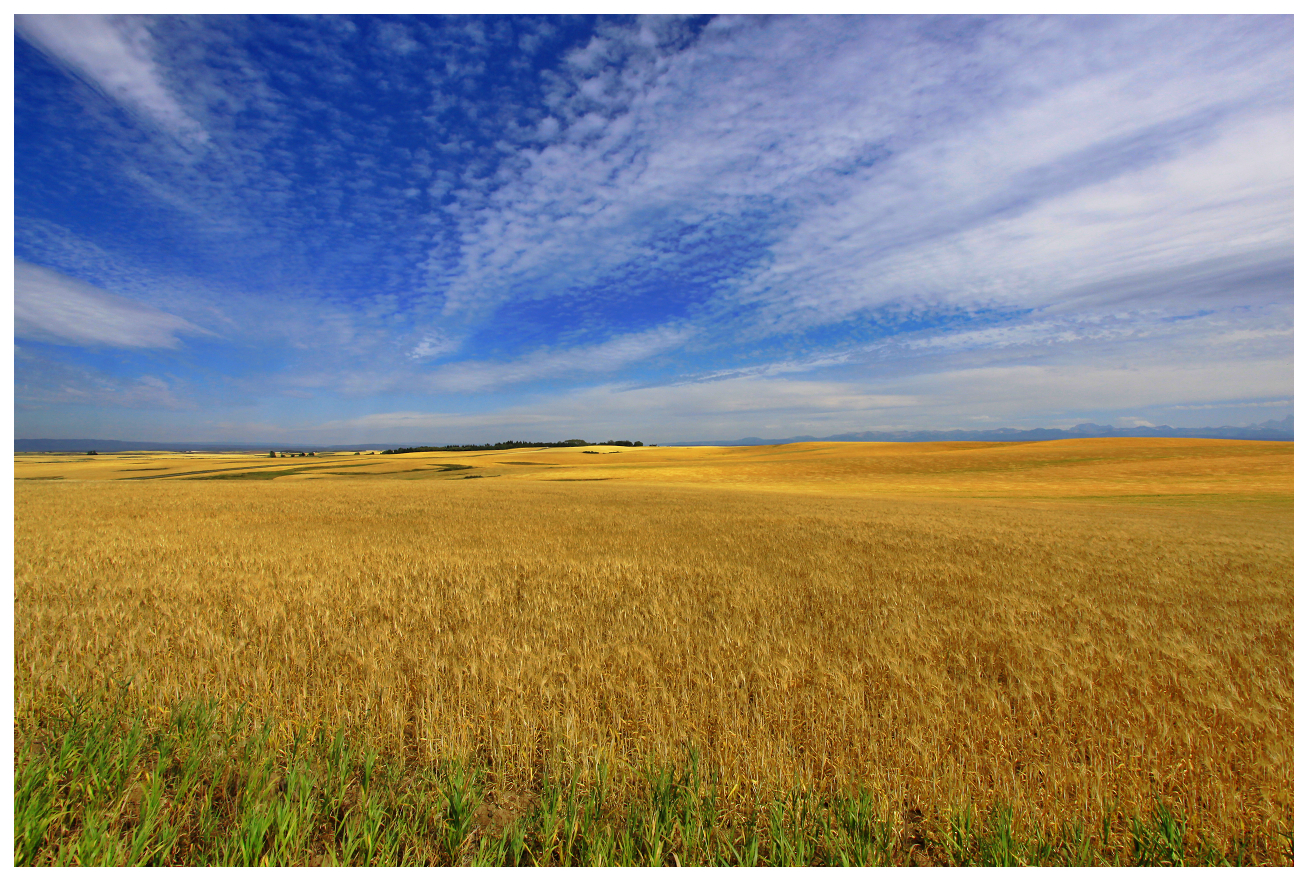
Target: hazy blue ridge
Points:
(1277, 430)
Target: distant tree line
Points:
(504, 445)
(507, 445)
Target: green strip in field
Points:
(432, 469)
(254, 475)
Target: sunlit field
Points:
(1064, 652)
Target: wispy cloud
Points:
(433, 345)
(721, 405)
(1279, 404)
(1064, 394)
(52, 307)
(44, 383)
(605, 357)
(115, 56)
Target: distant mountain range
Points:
(1278, 430)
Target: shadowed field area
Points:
(1073, 632)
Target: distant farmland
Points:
(1071, 652)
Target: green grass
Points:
(251, 475)
(100, 782)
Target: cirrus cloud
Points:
(52, 307)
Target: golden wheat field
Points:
(1076, 628)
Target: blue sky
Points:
(451, 229)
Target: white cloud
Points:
(783, 407)
(604, 357)
(396, 38)
(114, 55)
(1014, 390)
(433, 345)
(664, 412)
(42, 383)
(51, 307)
(1282, 403)
(1009, 170)
(404, 421)
(930, 230)
(799, 399)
